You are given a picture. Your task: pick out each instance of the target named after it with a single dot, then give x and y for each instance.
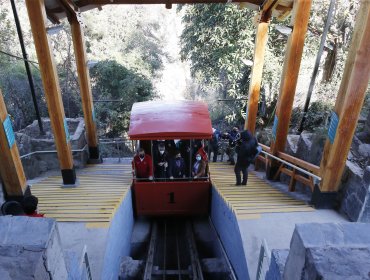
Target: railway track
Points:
(182, 250)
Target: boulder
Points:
(329, 251)
(29, 140)
(292, 144)
(317, 148)
(353, 192)
(304, 146)
(30, 248)
(23, 143)
(364, 150)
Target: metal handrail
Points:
(170, 180)
(292, 165)
(51, 151)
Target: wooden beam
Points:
(299, 162)
(292, 62)
(82, 3)
(37, 17)
(258, 61)
(11, 169)
(85, 87)
(349, 102)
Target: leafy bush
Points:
(316, 118)
(113, 81)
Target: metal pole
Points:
(26, 64)
(317, 64)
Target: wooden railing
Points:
(293, 167)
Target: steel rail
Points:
(195, 263)
(164, 251)
(178, 252)
(150, 258)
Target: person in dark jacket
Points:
(177, 166)
(161, 162)
(245, 150)
(233, 137)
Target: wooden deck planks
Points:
(255, 199)
(101, 189)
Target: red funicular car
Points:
(185, 124)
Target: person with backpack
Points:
(246, 150)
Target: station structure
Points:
(325, 178)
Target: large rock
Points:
(304, 146)
(30, 140)
(317, 148)
(353, 192)
(30, 249)
(292, 144)
(329, 251)
(364, 150)
(337, 263)
(23, 143)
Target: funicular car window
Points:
(172, 160)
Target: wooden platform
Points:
(258, 197)
(101, 189)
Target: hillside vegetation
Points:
(189, 52)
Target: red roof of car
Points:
(153, 120)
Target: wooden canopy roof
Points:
(58, 9)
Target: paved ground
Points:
(100, 191)
(266, 210)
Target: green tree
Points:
(217, 40)
(113, 81)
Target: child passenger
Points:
(177, 166)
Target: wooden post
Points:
(85, 88)
(292, 62)
(258, 61)
(37, 17)
(349, 102)
(11, 169)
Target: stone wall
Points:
(30, 140)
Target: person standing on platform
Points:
(245, 149)
(213, 145)
(233, 137)
(142, 165)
